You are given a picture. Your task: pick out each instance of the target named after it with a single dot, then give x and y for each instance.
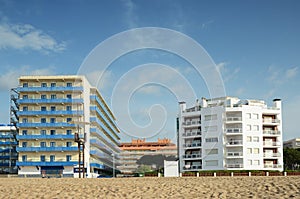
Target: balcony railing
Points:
(233, 130)
(272, 155)
(191, 156)
(34, 137)
(192, 134)
(233, 119)
(271, 132)
(232, 166)
(21, 113)
(234, 142)
(197, 144)
(50, 101)
(191, 123)
(273, 166)
(59, 124)
(59, 88)
(192, 167)
(54, 163)
(271, 121)
(234, 154)
(267, 143)
(24, 149)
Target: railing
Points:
(40, 163)
(191, 156)
(271, 120)
(192, 167)
(50, 113)
(31, 137)
(59, 124)
(272, 166)
(271, 132)
(192, 134)
(193, 145)
(233, 130)
(234, 154)
(266, 143)
(191, 123)
(52, 101)
(23, 149)
(235, 142)
(272, 155)
(233, 119)
(234, 166)
(8, 143)
(59, 88)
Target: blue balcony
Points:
(33, 125)
(28, 113)
(108, 140)
(98, 166)
(8, 143)
(60, 88)
(33, 149)
(108, 131)
(6, 136)
(101, 146)
(39, 163)
(52, 137)
(50, 101)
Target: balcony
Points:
(235, 143)
(233, 119)
(34, 149)
(234, 154)
(192, 167)
(37, 137)
(192, 123)
(8, 143)
(271, 144)
(59, 88)
(233, 131)
(272, 155)
(272, 166)
(234, 166)
(192, 134)
(39, 163)
(30, 113)
(50, 101)
(270, 121)
(192, 145)
(36, 125)
(191, 156)
(271, 132)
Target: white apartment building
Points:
(51, 109)
(228, 133)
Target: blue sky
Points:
(255, 45)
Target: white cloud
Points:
(281, 75)
(101, 83)
(227, 73)
(130, 16)
(291, 72)
(9, 79)
(25, 36)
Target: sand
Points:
(150, 187)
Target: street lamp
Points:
(113, 157)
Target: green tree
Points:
(143, 169)
(291, 158)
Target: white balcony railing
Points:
(231, 166)
(191, 123)
(234, 154)
(192, 134)
(271, 132)
(233, 119)
(233, 130)
(272, 155)
(192, 167)
(267, 120)
(269, 144)
(191, 156)
(234, 142)
(273, 166)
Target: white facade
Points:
(230, 134)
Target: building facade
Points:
(230, 134)
(51, 109)
(8, 153)
(132, 151)
(293, 143)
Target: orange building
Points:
(132, 151)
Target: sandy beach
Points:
(187, 187)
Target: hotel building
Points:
(51, 109)
(230, 134)
(132, 151)
(8, 153)
(293, 143)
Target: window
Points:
(256, 150)
(44, 85)
(25, 84)
(249, 139)
(43, 144)
(255, 162)
(211, 151)
(68, 158)
(248, 115)
(249, 162)
(24, 158)
(69, 144)
(249, 151)
(43, 96)
(69, 96)
(52, 132)
(43, 158)
(24, 144)
(24, 120)
(53, 108)
(43, 132)
(43, 108)
(53, 84)
(255, 127)
(52, 158)
(24, 132)
(69, 84)
(248, 127)
(53, 96)
(52, 144)
(43, 120)
(211, 128)
(255, 116)
(25, 108)
(69, 132)
(211, 139)
(52, 120)
(210, 117)
(69, 108)
(255, 139)
(25, 96)
(211, 162)
(69, 119)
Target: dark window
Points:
(52, 144)
(25, 96)
(53, 84)
(69, 132)
(43, 132)
(53, 96)
(52, 132)
(43, 108)
(69, 84)
(43, 96)
(69, 96)
(43, 144)
(53, 108)
(52, 120)
(68, 157)
(43, 120)
(24, 132)
(24, 158)
(44, 85)
(69, 119)
(52, 158)
(24, 120)
(69, 108)
(69, 144)
(43, 158)
(25, 108)
(24, 144)
(25, 84)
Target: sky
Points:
(252, 46)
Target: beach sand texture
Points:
(150, 187)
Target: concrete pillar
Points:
(285, 173)
(158, 174)
(249, 173)
(198, 174)
(267, 173)
(180, 174)
(231, 174)
(215, 174)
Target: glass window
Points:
(25, 108)
(255, 139)
(211, 151)
(69, 158)
(52, 120)
(69, 96)
(69, 132)
(249, 162)
(24, 144)
(53, 96)
(211, 162)
(53, 84)
(43, 144)
(248, 127)
(52, 144)
(44, 84)
(43, 120)
(52, 158)
(43, 108)
(248, 115)
(69, 119)
(25, 96)
(43, 132)
(69, 108)
(53, 108)
(211, 139)
(25, 84)
(24, 120)
(256, 150)
(255, 116)
(43, 158)
(255, 128)
(69, 144)
(24, 158)
(249, 150)
(69, 84)
(43, 96)
(52, 132)
(249, 139)
(256, 162)
(24, 132)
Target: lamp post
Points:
(113, 157)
